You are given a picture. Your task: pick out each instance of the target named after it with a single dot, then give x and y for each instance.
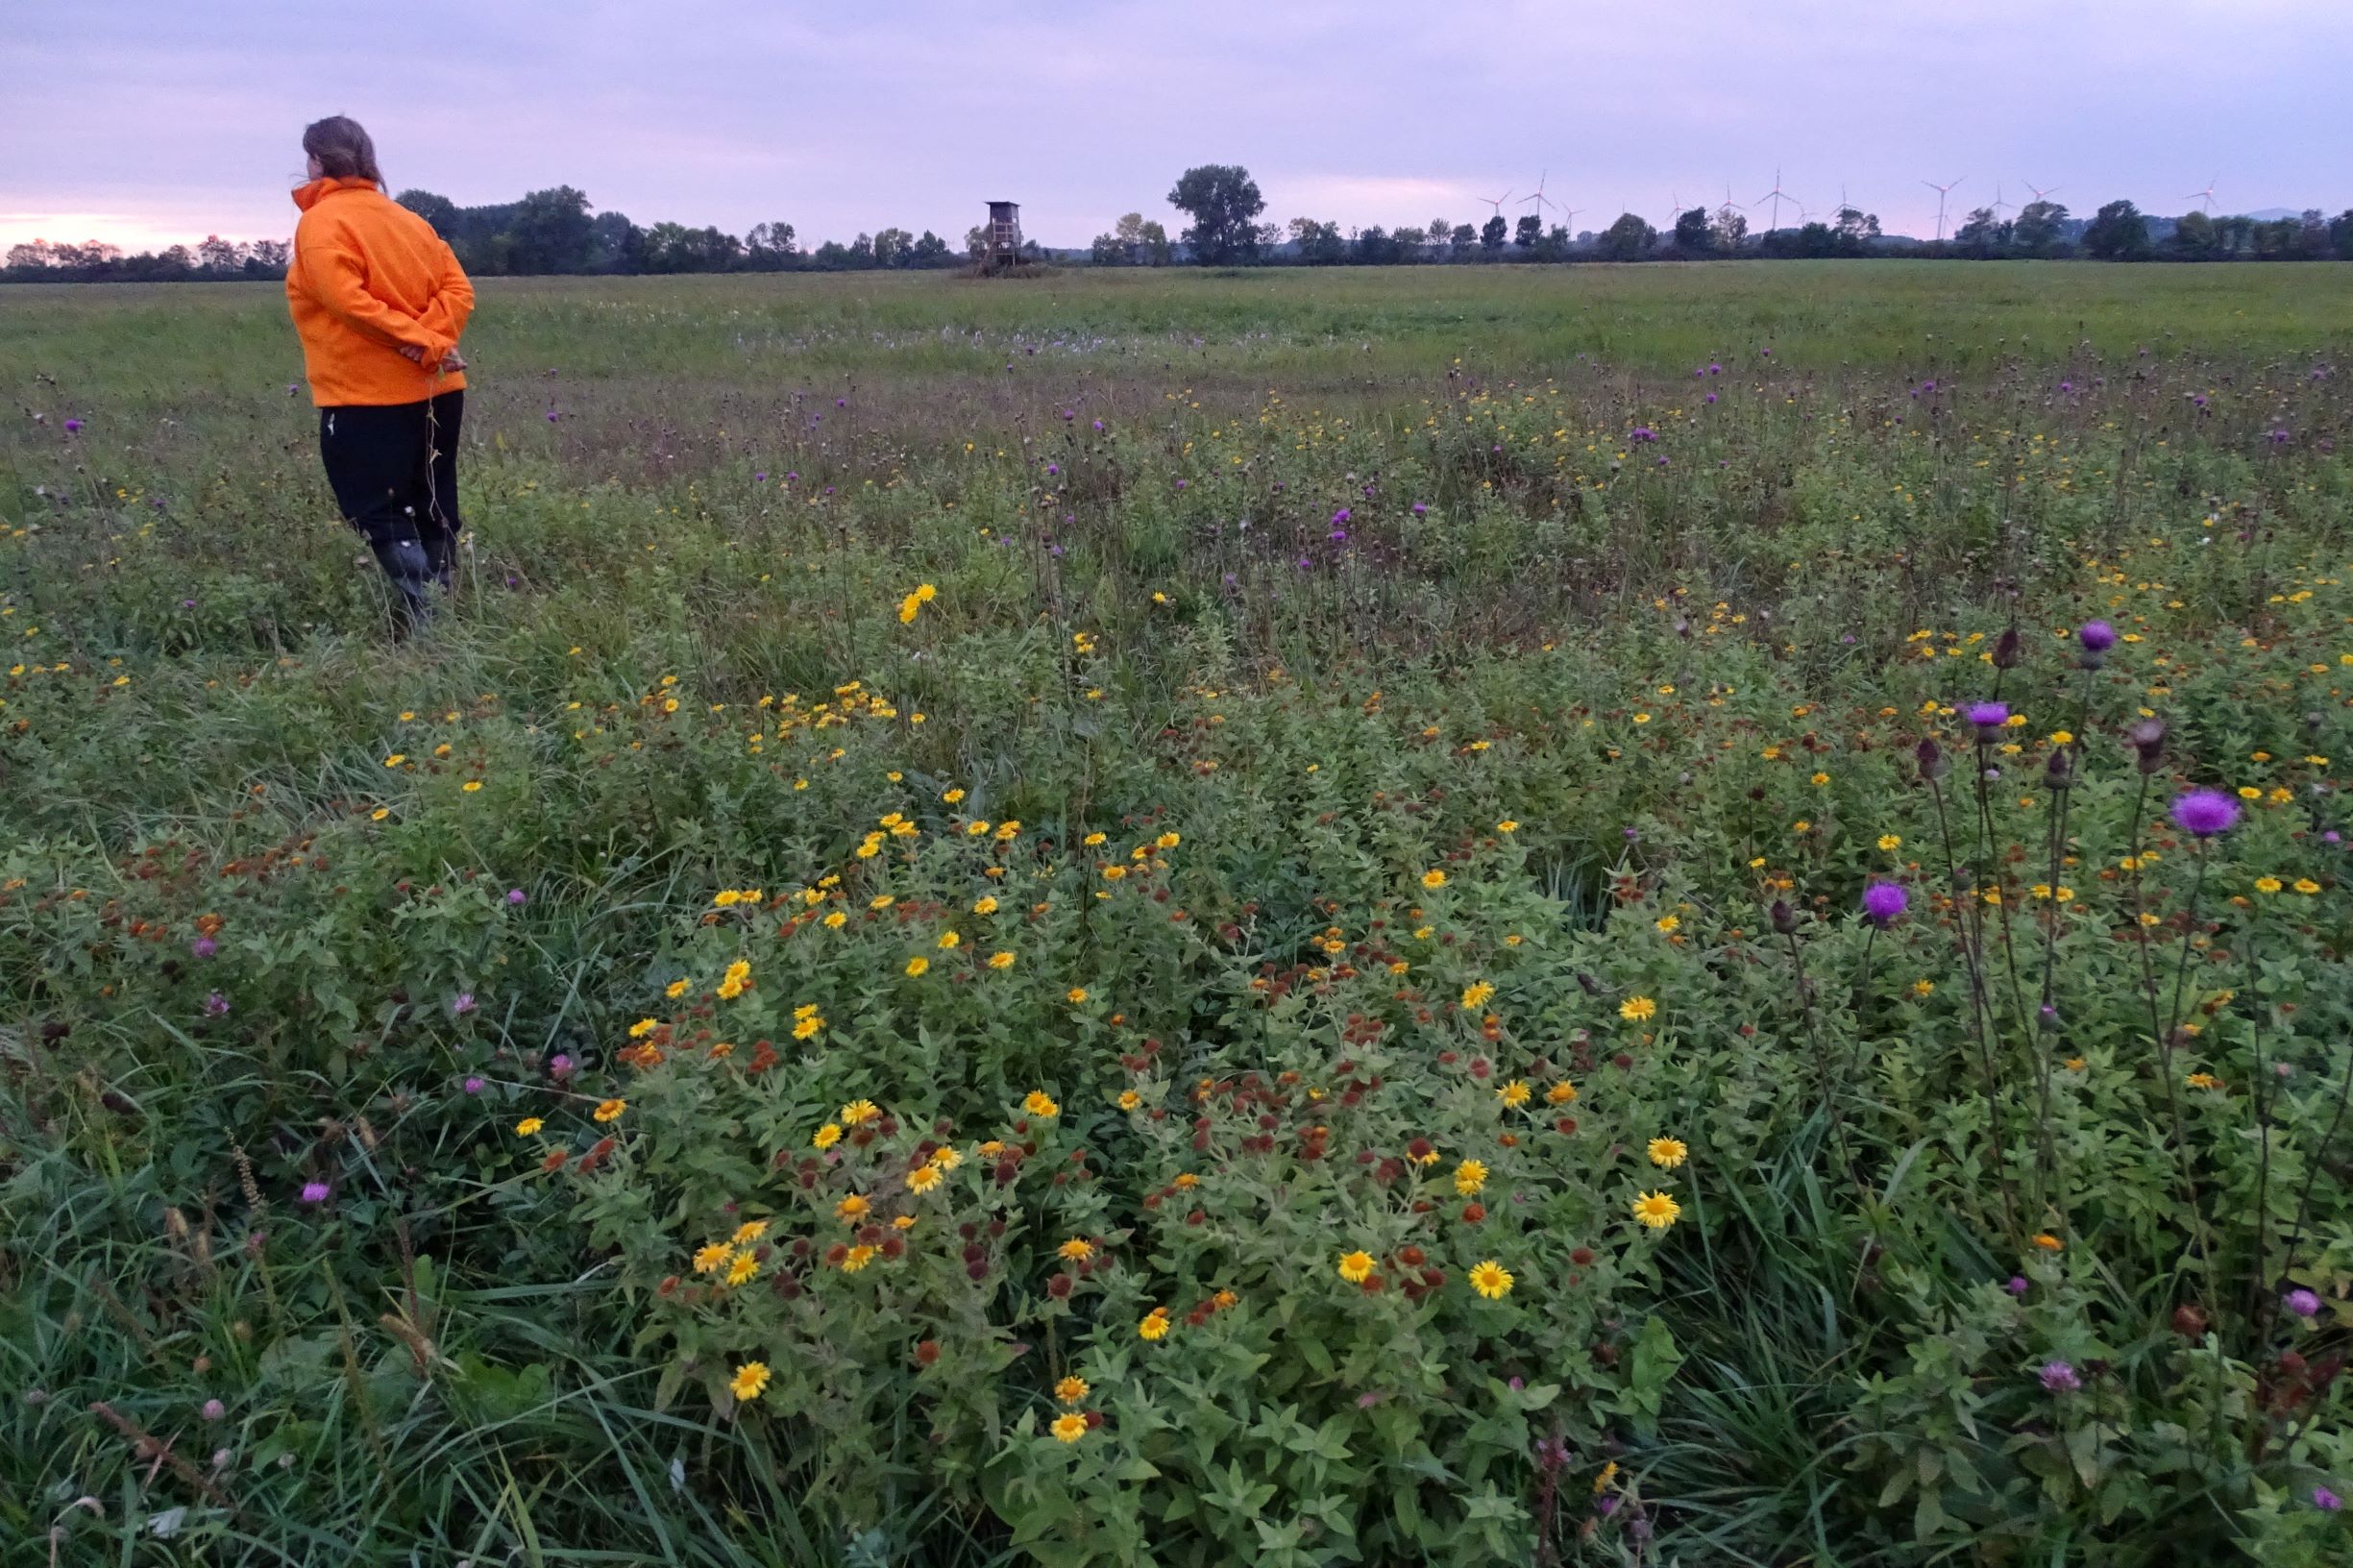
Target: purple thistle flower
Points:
(1339, 519)
(1180, 484)
(516, 897)
(561, 1066)
(1988, 716)
(2016, 1284)
(2095, 636)
(463, 1003)
(1883, 901)
(1099, 425)
(2326, 1501)
(314, 1191)
(1420, 510)
(216, 1006)
(841, 403)
(790, 478)
(760, 477)
(2302, 1303)
(1711, 397)
(473, 1086)
(204, 948)
(73, 426)
(1643, 432)
(2205, 812)
(2059, 1378)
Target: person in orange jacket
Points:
(380, 301)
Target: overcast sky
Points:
(149, 121)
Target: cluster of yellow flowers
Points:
(909, 605)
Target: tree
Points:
(2340, 234)
(1729, 230)
(551, 232)
(1982, 234)
(1629, 239)
(929, 250)
(1692, 236)
(1529, 232)
(1376, 247)
(1491, 234)
(1462, 240)
(1224, 204)
(1853, 231)
(438, 211)
(891, 247)
(2195, 237)
(2118, 233)
(1157, 251)
(2041, 228)
(1320, 244)
(217, 254)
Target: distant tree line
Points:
(559, 231)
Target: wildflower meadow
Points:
(1686, 914)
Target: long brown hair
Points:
(342, 148)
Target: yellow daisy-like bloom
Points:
(1491, 1280)
(923, 1178)
(1637, 1009)
(471, 785)
(610, 1110)
(1560, 1093)
(1129, 1099)
(903, 1222)
(1434, 879)
(1475, 995)
(733, 984)
(1921, 987)
(2306, 886)
(751, 1230)
(984, 906)
(1155, 1324)
(396, 759)
(836, 920)
(749, 1380)
(916, 965)
(2074, 1064)
(1068, 1428)
(528, 1126)
(1000, 961)
(856, 1259)
(1469, 1177)
(1070, 1390)
(2269, 884)
(858, 1113)
(1515, 1093)
(1669, 922)
(2203, 1080)
(675, 989)
(1076, 996)
(1039, 1103)
(2049, 1242)
(852, 1208)
(1656, 1209)
(1507, 825)
(1356, 1267)
(946, 1158)
(1092, 841)
(926, 593)
(808, 1027)
(1820, 779)
(1075, 1250)
(643, 1027)
(743, 1268)
(827, 1136)
(1890, 841)
(712, 1258)
(1667, 1153)
(1166, 841)
(950, 941)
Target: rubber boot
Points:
(409, 568)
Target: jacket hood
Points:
(308, 196)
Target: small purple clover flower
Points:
(516, 897)
(1883, 901)
(2326, 1501)
(561, 1066)
(1421, 509)
(204, 946)
(73, 426)
(2016, 1284)
(2059, 1378)
(214, 1409)
(216, 1006)
(2205, 812)
(475, 1085)
(314, 1191)
(463, 1003)
(1988, 716)
(2303, 1302)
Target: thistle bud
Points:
(2060, 771)
(2148, 738)
(2006, 650)
(1785, 917)
(1931, 759)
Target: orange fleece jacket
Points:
(368, 276)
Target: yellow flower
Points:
(1475, 995)
(1039, 1103)
(1507, 825)
(2248, 792)
(2306, 886)
(528, 1126)
(1820, 779)
(1656, 1209)
(1434, 879)
(1469, 1177)
(1669, 922)
(856, 1259)
(1076, 996)
(1092, 841)
(926, 592)
(675, 989)
(945, 1157)
(471, 785)
(827, 1136)
(1667, 1153)
(1069, 1428)
(743, 1268)
(2074, 1064)
(2267, 884)
(1637, 1009)
(1000, 961)
(1491, 1280)
(1890, 841)
(610, 1110)
(836, 920)
(1070, 1390)
(1129, 1099)
(751, 1230)
(2049, 1242)
(807, 1028)
(852, 1208)
(1166, 841)
(1609, 1473)
(984, 906)
(1560, 1093)
(749, 1381)
(1155, 1325)
(1075, 1251)
(2203, 1080)
(1921, 987)
(642, 1028)
(923, 1178)
(1514, 1093)
(734, 982)
(916, 965)
(1356, 1267)
(858, 1113)
(950, 939)
(710, 1258)
(396, 759)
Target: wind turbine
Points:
(1497, 202)
(1999, 206)
(1941, 192)
(1724, 213)
(2041, 193)
(1777, 196)
(1537, 203)
(2204, 198)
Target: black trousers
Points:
(394, 471)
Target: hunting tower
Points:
(1004, 234)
